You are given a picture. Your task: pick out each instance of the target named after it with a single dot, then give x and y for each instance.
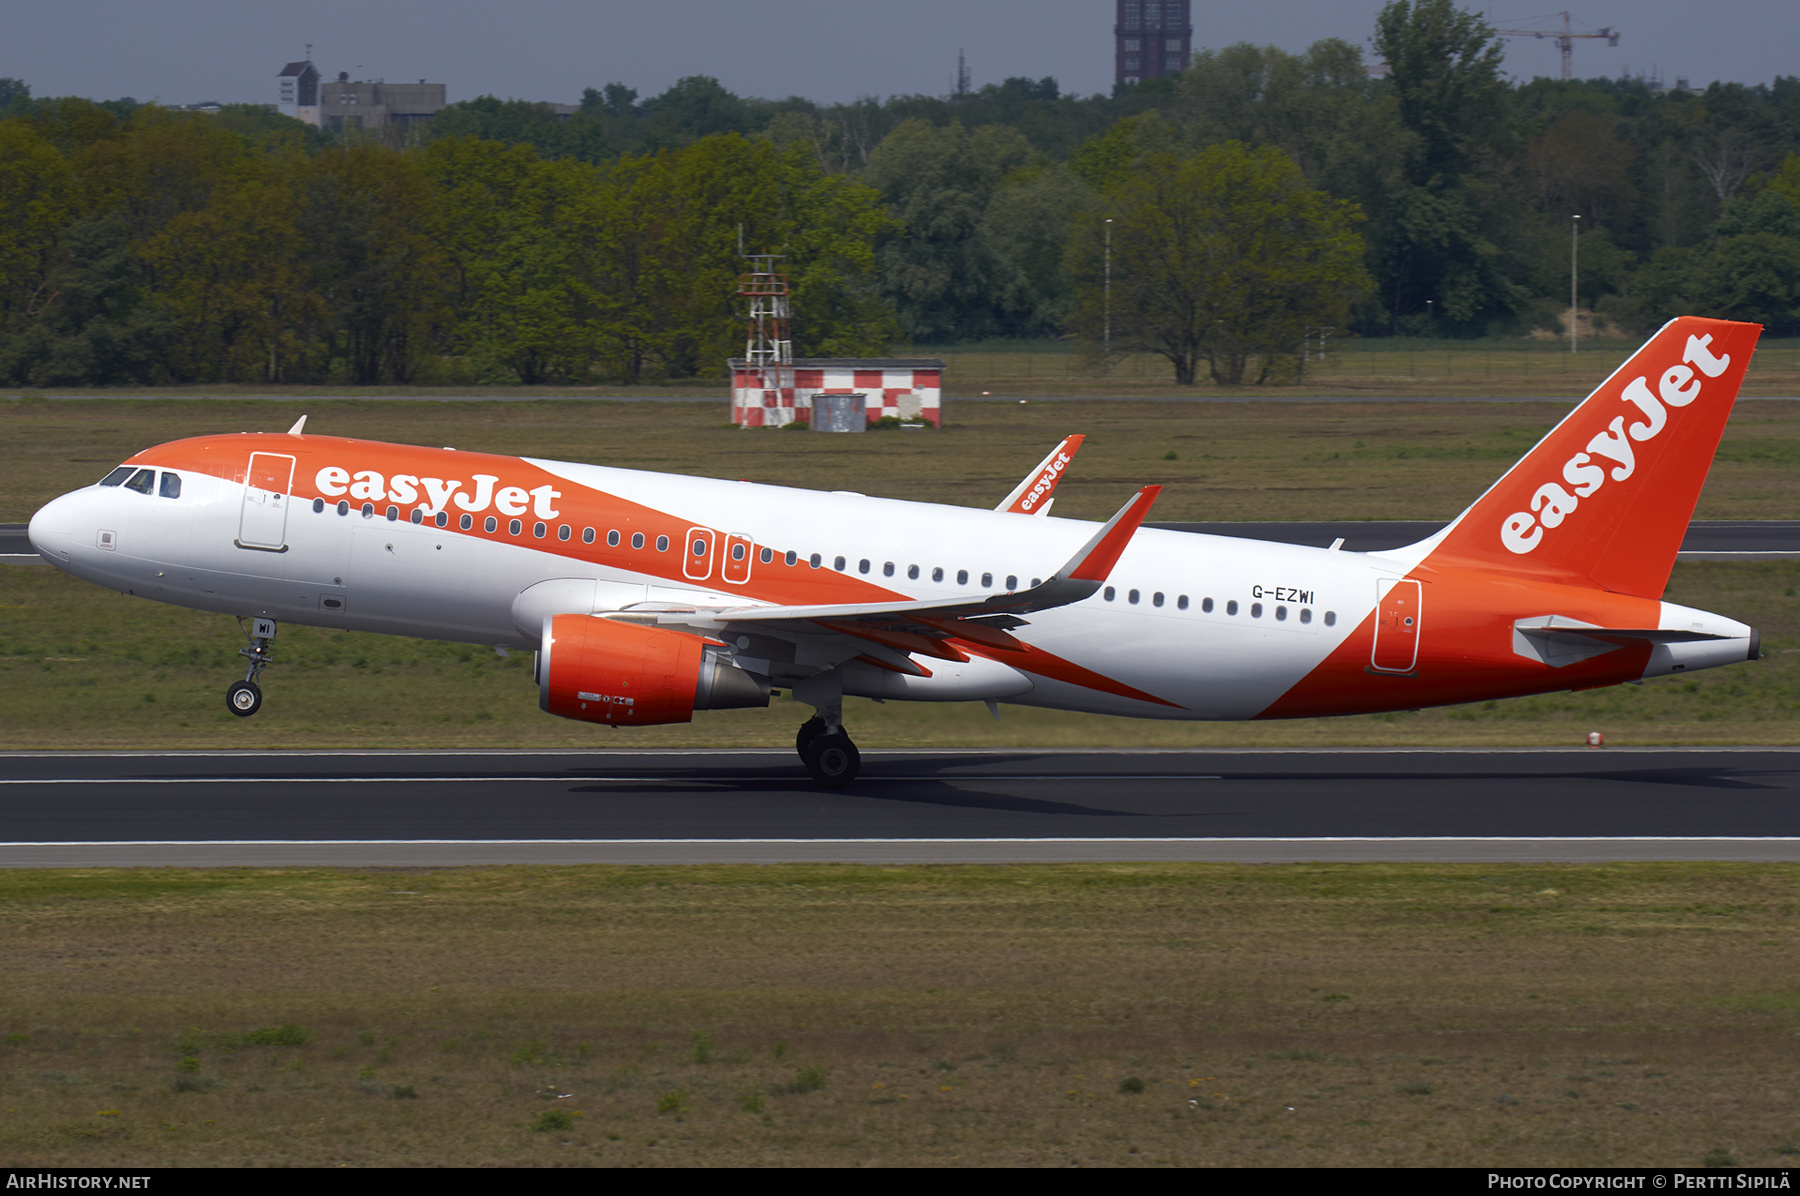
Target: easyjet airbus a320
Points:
(650, 596)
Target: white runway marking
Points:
(577, 780)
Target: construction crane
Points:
(1565, 40)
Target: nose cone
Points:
(52, 530)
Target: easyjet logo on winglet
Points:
(1678, 386)
(1046, 481)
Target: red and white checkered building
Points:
(902, 387)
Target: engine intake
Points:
(603, 671)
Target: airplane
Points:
(648, 596)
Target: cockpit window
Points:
(171, 485)
(143, 481)
(116, 476)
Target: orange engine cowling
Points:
(604, 671)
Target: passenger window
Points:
(814, 560)
(171, 485)
(1256, 610)
(863, 566)
(1281, 614)
(912, 572)
(987, 581)
(838, 564)
(418, 515)
(1305, 615)
(116, 476)
(1108, 593)
(1330, 618)
(143, 481)
(442, 519)
(319, 509)
(937, 574)
(538, 529)
(587, 535)
(1156, 599)
(513, 527)
(768, 554)
(1231, 607)
(1181, 603)
(962, 577)
(637, 539)
(368, 512)
(563, 532)
(343, 506)
(1132, 597)
(490, 525)
(887, 570)
(1012, 583)
(662, 543)
(466, 522)
(393, 514)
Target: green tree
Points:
(942, 269)
(1222, 257)
(1444, 230)
(377, 260)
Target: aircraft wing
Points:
(903, 628)
(1033, 496)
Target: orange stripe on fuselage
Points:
(1466, 648)
(577, 506)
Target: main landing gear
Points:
(828, 754)
(244, 698)
(823, 745)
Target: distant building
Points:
(344, 104)
(904, 388)
(299, 84)
(1151, 39)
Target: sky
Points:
(188, 51)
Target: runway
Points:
(1720, 539)
(925, 806)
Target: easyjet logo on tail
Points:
(1046, 482)
(1677, 387)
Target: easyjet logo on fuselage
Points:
(405, 489)
(1046, 482)
(1678, 386)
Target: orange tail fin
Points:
(1605, 498)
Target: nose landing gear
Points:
(244, 698)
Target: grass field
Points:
(82, 667)
(1635, 1015)
(1218, 460)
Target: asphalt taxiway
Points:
(936, 806)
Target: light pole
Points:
(1574, 243)
(1107, 335)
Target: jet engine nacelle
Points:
(604, 671)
